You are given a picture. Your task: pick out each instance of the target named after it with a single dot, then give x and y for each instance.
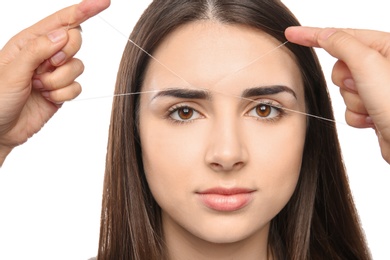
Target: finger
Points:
(71, 48)
(349, 45)
(342, 77)
(311, 36)
(35, 52)
(384, 144)
(67, 52)
(45, 67)
(369, 68)
(353, 102)
(358, 120)
(59, 78)
(67, 18)
(62, 95)
(70, 17)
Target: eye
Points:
(184, 114)
(265, 111)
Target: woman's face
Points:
(220, 165)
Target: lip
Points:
(226, 200)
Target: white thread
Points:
(117, 95)
(262, 56)
(143, 50)
(174, 73)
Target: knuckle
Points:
(32, 47)
(341, 39)
(51, 82)
(382, 45)
(371, 57)
(75, 41)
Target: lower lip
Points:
(226, 203)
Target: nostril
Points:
(238, 165)
(216, 165)
(226, 167)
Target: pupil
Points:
(185, 113)
(263, 110)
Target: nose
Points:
(226, 150)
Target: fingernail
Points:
(350, 84)
(59, 104)
(58, 58)
(369, 121)
(45, 94)
(325, 34)
(37, 84)
(57, 35)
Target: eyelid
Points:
(175, 108)
(263, 101)
(272, 104)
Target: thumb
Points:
(346, 45)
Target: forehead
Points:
(205, 53)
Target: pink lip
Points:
(221, 199)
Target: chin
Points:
(234, 235)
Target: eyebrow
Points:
(184, 93)
(267, 90)
(204, 94)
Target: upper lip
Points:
(226, 191)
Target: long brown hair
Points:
(319, 222)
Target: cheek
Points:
(169, 151)
(277, 158)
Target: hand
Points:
(362, 72)
(38, 72)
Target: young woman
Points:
(216, 159)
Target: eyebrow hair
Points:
(204, 94)
(267, 90)
(184, 93)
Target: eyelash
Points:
(177, 108)
(269, 104)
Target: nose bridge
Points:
(226, 149)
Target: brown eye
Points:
(266, 111)
(263, 110)
(185, 113)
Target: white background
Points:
(50, 188)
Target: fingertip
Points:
(292, 29)
(357, 120)
(90, 8)
(291, 32)
(59, 96)
(302, 35)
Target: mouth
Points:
(226, 200)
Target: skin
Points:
(224, 143)
(361, 72)
(38, 72)
(362, 54)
